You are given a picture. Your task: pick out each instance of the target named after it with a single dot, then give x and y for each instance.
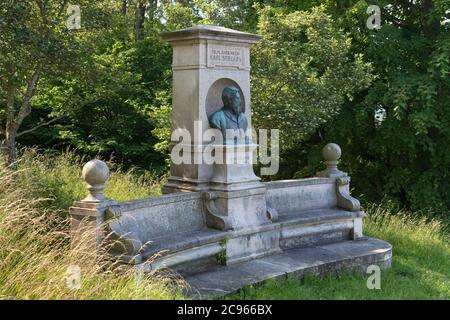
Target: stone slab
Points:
(320, 260)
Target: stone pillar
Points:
(206, 59)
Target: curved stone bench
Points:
(176, 231)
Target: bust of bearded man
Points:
(230, 118)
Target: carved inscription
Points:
(225, 56)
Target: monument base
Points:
(252, 244)
(318, 229)
(318, 260)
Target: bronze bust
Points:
(230, 118)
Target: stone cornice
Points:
(210, 32)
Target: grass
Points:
(420, 268)
(58, 177)
(35, 250)
(35, 253)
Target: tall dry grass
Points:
(35, 252)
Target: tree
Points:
(404, 158)
(143, 7)
(107, 111)
(36, 43)
(236, 14)
(302, 72)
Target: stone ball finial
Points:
(95, 173)
(331, 152)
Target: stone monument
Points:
(218, 224)
(206, 60)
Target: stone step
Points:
(187, 240)
(315, 227)
(313, 216)
(182, 241)
(319, 260)
(192, 252)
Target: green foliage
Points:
(405, 157)
(110, 93)
(107, 113)
(33, 36)
(161, 116)
(57, 177)
(221, 257)
(177, 14)
(35, 40)
(402, 159)
(302, 72)
(420, 267)
(234, 14)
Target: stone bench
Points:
(315, 211)
(172, 230)
(168, 230)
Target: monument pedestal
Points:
(244, 213)
(206, 59)
(237, 192)
(233, 168)
(239, 197)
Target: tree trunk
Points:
(430, 24)
(124, 8)
(11, 148)
(13, 120)
(140, 18)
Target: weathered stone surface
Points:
(95, 173)
(252, 246)
(175, 226)
(315, 216)
(166, 215)
(206, 59)
(176, 242)
(348, 255)
(288, 196)
(221, 213)
(234, 170)
(85, 216)
(314, 239)
(331, 154)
